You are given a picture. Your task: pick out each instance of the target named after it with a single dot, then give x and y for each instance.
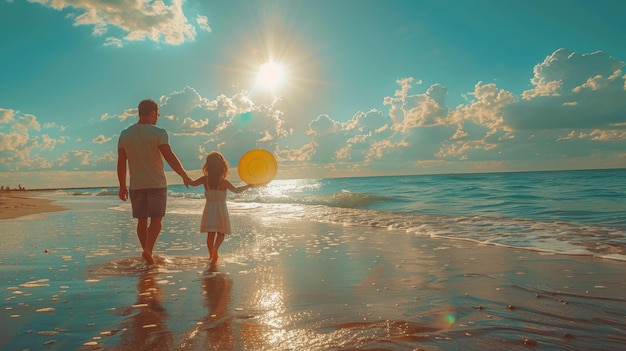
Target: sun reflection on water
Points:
(288, 187)
(269, 299)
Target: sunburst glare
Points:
(271, 76)
(273, 61)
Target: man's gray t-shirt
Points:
(145, 162)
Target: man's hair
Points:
(146, 107)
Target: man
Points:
(144, 146)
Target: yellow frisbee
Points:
(257, 167)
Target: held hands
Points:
(187, 181)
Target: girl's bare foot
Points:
(214, 256)
(148, 257)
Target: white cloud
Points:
(301, 154)
(543, 88)
(411, 111)
(113, 42)
(459, 134)
(486, 109)
(6, 115)
(26, 122)
(598, 82)
(184, 102)
(74, 159)
(20, 146)
(569, 136)
(49, 143)
(137, 19)
(203, 23)
(16, 152)
(231, 124)
(232, 106)
(53, 125)
(364, 122)
(323, 125)
(191, 125)
(128, 113)
(605, 135)
(564, 70)
(101, 139)
(12, 141)
(110, 157)
(378, 149)
(591, 86)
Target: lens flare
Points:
(450, 319)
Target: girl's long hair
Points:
(215, 168)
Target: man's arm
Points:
(173, 161)
(121, 173)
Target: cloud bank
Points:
(573, 116)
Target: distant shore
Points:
(14, 204)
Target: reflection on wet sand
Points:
(145, 327)
(215, 331)
(216, 288)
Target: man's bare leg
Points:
(142, 231)
(154, 229)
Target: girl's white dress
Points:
(215, 215)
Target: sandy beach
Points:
(22, 203)
(73, 280)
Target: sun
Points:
(271, 76)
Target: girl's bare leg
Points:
(218, 242)
(210, 240)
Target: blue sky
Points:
(354, 88)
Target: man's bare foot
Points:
(148, 257)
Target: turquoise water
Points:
(568, 212)
(352, 272)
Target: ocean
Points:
(501, 261)
(579, 212)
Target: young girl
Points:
(215, 219)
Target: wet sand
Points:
(15, 204)
(74, 280)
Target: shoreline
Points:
(286, 284)
(22, 203)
